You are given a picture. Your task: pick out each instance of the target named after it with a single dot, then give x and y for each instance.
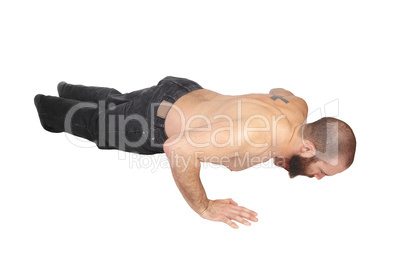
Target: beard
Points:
(298, 165)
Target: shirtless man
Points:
(191, 124)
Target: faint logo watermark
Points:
(222, 131)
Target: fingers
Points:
(239, 216)
(246, 213)
(231, 201)
(240, 219)
(237, 213)
(231, 223)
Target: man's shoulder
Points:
(294, 107)
(301, 104)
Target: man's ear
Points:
(308, 149)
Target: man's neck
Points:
(295, 142)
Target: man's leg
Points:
(95, 94)
(58, 114)
(85, 93)
(95, 119)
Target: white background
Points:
(65, 205)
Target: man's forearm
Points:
(186, 173)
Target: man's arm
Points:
(186, 173)
(184, 156)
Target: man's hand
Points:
(226, 210)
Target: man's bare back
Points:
(277, 113)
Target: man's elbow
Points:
(169, 148)
(171, 144)
(166, 148)
(175, 147)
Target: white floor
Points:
(63, 203)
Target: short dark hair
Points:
(328, 132)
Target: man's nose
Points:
(319, 176)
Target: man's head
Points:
(328, 147)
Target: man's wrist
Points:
(204, 208)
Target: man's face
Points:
(312, 167)
(299, 165)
